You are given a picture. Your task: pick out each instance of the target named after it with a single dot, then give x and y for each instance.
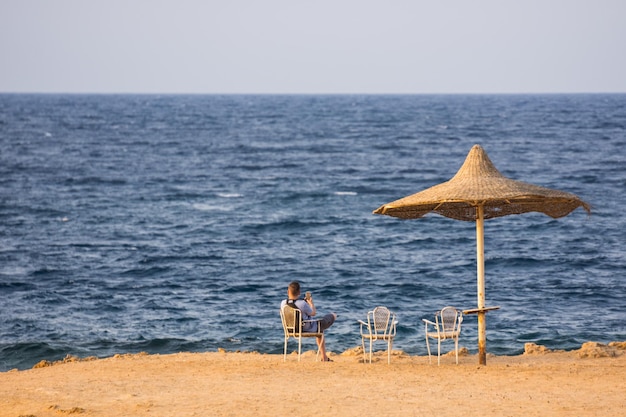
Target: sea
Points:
(174, 223)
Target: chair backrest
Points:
(382, 320)
(450, 319)
(292, 320)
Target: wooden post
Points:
(482, 338)
(480, 271)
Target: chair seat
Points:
(377, 337)
(443, 335)
(305, 334)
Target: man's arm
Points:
(307, 307)
(310, 303)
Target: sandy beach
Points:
(589, 381)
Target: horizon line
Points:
(306, 93)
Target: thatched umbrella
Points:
(477, 192)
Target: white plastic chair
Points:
(381, 325)
(293, 325)
(447, 326)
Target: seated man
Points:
(308, 310)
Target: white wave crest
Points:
(210, 207)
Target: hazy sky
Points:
(314, 46)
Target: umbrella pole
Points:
(480, 270)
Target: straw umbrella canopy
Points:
(477, 192)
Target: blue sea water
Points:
(174, 223)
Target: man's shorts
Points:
(326, 321)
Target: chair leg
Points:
(285, 350)
(438, 352)
(428, 348)
(389, 345)
(299, 347)
(456, 349)
(363, 346)
(371, 342)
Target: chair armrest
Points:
(364, 326)
(313, 321)
(429, 322)
(393, 329)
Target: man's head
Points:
(294, 289)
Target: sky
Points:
(312, 47)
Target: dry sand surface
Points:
(590, 381)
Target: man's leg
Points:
(321, 344)
(329, 319)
